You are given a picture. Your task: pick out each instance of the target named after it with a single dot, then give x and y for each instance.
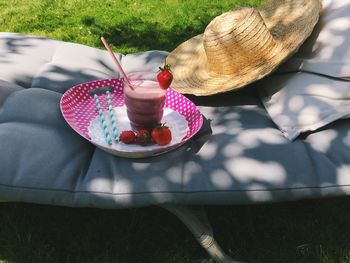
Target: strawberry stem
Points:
(165, 67)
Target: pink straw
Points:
(116, 61)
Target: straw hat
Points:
(241, 46)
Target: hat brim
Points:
(289, 24)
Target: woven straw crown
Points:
(241, 46)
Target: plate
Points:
(174, 120)
(79, 110)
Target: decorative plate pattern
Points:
(79, 110)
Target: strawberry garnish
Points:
(127, 137)
(161, 134)
(164, 77)
(142, 137)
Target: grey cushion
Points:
(18, 62)
(311, 89)
(326, 51)
(239, 156)
(6, 88)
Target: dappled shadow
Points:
(311, 89)
(246, 160)
(233, 165)
(238, 157)
(143, 38)
(17, 53)
(325, 51)
(143, 35)
(15, 45)
(31, 61)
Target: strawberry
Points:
(161, 134)
(142, 137)
(127, 137)
(164, 77)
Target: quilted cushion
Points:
(239, 156)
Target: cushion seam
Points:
(178, 192)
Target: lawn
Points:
(314, 231)
(310, 231)
(130, 26)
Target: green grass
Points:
(316, 231)
(130, 26)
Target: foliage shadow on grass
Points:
(144, 36)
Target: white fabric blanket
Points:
(312, 88)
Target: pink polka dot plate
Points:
(79, 110)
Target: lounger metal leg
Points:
(197, 222)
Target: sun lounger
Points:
(240, 156)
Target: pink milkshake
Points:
(144, 103)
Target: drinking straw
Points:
(102, 119)
(115, 60)
(111, 116)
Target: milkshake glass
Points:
(144, 101)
